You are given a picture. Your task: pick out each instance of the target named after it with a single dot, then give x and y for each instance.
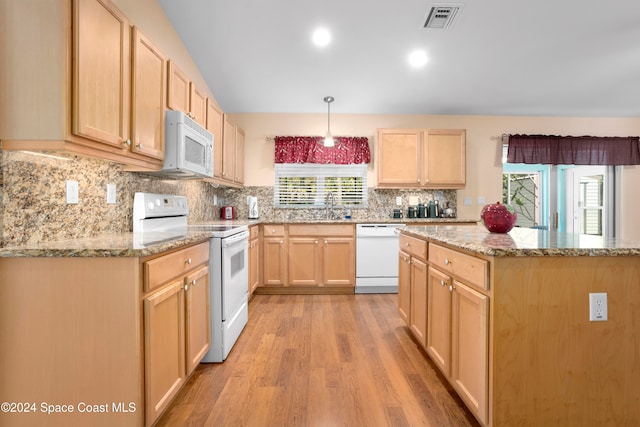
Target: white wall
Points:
(484, 147)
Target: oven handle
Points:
(236, 238)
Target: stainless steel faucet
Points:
(330, 198)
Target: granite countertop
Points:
(144, 244)
(524, 242)
(107, 245)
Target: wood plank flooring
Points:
(320, 360)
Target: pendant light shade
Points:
(328, 139)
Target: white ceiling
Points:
(501, 57)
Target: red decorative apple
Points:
(498, 218)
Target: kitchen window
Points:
(309, 185)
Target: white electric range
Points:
(160, 217)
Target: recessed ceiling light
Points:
(418, 58)
(321, 37)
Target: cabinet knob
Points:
(281, 242)
(186, 287)
(188, 261)
(316, 242)
(451, 288)
(139, 146)
(127, 143)
(442, 283)
(447, 262)
(193, 282)
(418, 181)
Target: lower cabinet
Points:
(458, 327)
(254, 259)
(418, 318)
(306, 256)
(404, 286)
(177, 331)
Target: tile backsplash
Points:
(34, 209)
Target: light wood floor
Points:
(320, 360)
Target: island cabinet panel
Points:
(439, 320)
(71, 332)
(419, 300)
(551, 365)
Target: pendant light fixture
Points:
(328, 139)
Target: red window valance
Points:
(309, 149)
(573, 150)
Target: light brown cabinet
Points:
(274, 261)
(185, 96)
(457, 327)
(308, 256)
(254, 258)
(149, 87)
(412, 286)
(416, 158)
(177, 331)
(82, 93)
(215, 126)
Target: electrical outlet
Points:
(598, 310)
(72, 192)
(215, 200)
(111, 194)
(481, 201)
(399, 201)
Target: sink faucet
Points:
(330, 198)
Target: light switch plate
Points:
(111, 194)
(72, 192)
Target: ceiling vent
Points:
(442, 15)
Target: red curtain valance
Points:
(573, 150)
(309, 149)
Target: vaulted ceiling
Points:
(499, 57)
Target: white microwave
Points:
(188, 147)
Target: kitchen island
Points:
(505, 317)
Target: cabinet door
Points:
(239, 156)
(398, 157)
(214, 125)
(179, 89)
(197, 317)
(254, 265)
(164, 348)
(101, 72)
(274, 266)
(445, 158)
(148, 97)
(304, 261)
(198, 104)
(339, 260)
(419, 300)
(404, 286)
(228, 149)
(439, 320)
(470, 348)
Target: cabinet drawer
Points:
(414, 246)
(164, 268)
(254, 232)
(321, 230)
(471, 270)
(273, 230)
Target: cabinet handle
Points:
(281, 242)
(447, 262)
(127, 143)
(188, 261)
(193, 282)
(418, 180)
(139, 146)
(316, 242)
(186, 287)
(451, 288)
(442, 283)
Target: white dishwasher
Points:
(377, 248)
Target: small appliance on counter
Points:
(228, 212)
(253, 207)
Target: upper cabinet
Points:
(149, 78)
(185, 96)
(101, 72)
(417, 158)
(214, 125)
(228, 148)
